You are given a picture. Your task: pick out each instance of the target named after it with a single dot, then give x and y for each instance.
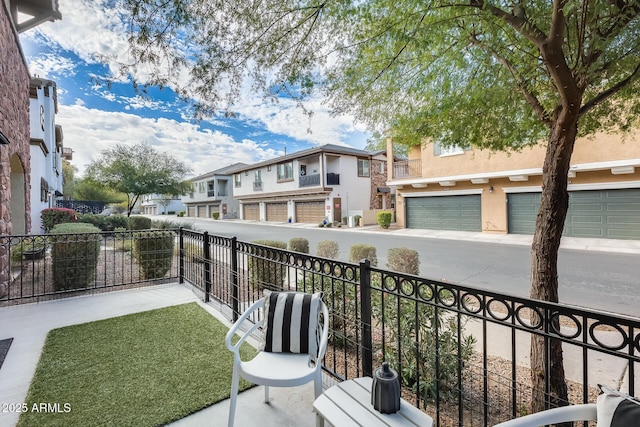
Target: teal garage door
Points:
(444, 213)
(610, 214)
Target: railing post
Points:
(180, 256)
(235, 295)
(365, 313)
(207, 266)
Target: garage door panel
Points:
(251, 212)
(277, 212)
(310, 212)
(444, 213)
(611, 214)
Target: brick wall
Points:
(378, 179)
(14, 122)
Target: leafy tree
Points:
(492, 74)
(68, 178)
(89, 189)
(137, 170)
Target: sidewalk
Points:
(572, 243)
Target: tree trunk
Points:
(546, 356)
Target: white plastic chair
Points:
(275, 369)
(585, 412)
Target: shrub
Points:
(362, 251)
(32, 247)
(384, 219)
(215, 215)
(356, 220)
(404, 260)
(54, 216)
(139, 223)
(181, 213)
(154, 251)
(74, 254)
(104, 223)
(299, 244)
(265, 269)
(421, 369)
(328, 249)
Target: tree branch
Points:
(603, 96)
(520, 82)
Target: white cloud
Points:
(88, 132)
(89, 29)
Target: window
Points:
(452, 150)
(380, 167)
(285, 171)
(363, 167)
(257, 176)
(201, 187)
(237, 180)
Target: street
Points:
(605, 281)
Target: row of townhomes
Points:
(325, 183)
(450, 188)
(30, 142)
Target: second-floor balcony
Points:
(407, 169)
(310, 180)
(222, 193)
(333, 179)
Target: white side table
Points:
(349, 404)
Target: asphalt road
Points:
(605, 281)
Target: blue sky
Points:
(95, 118)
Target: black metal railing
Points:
(41, 267)
(309, 180)
(462, 353)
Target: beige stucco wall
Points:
(587, 152)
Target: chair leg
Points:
(266, 394)
(317, 384)
(235, 383)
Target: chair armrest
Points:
(236, 326)
(585, 412)
(325, 331)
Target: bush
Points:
(362, 251)
(104, 223)
(265, 270)
(154, 251)
(328, 249)
(54, 216)
(74, 255)
(139, 223)
(215, 215)
(356, 220)
(384, 219)
(32, 247)
(299, 244)
(404, 260)
(181, 213)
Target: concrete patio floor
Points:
(29, 324)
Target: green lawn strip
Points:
(143, 369)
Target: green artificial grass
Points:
(143, 369)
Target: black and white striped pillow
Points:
(617, 409)
(291, 322)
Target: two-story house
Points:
(213, 193)
(325, 183)
(161, 204)
(475, 190)
(46, 149)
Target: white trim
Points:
(442, 193)
(487, 175)
(582, 167)
(578, 187)
(604, 186)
